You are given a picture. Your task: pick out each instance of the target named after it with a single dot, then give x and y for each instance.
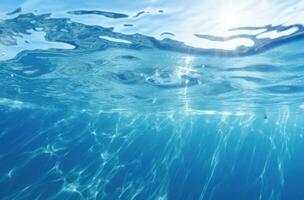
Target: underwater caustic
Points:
(151, 100)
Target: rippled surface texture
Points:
(151, 99)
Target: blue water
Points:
(151, 99)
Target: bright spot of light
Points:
(229, 18)
(240, 113)
(182, 71)
(226, 113)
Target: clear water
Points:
(151, 99)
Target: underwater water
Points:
(151, 99)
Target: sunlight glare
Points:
(229, 18)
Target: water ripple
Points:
(104, 63)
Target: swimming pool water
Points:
(151, 100)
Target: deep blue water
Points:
(152, 99)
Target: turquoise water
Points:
(151, 100)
